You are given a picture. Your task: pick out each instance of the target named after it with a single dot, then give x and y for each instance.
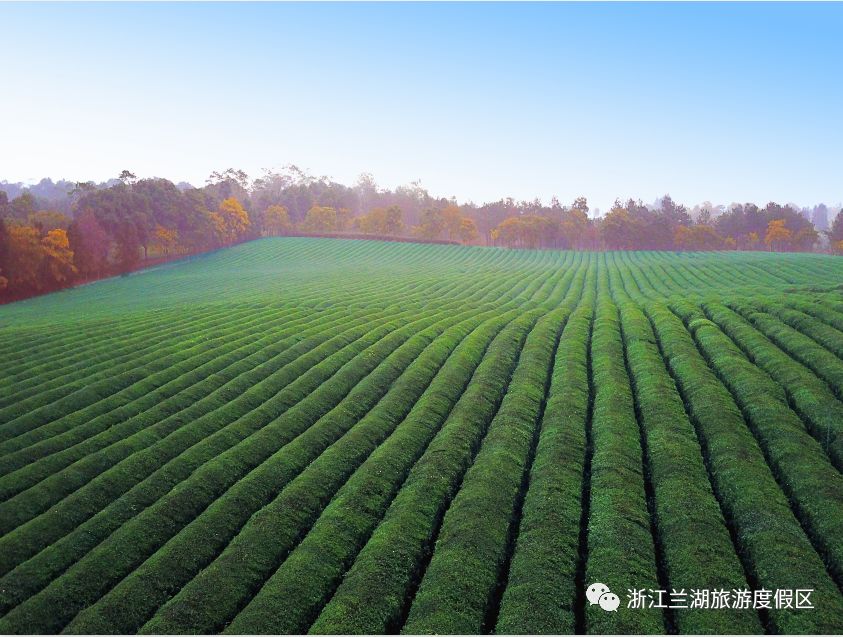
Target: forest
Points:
(56, 235)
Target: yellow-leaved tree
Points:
(276, 221)
(57, 265)
(387, 221)
(452, 220)
(231, 221)
(777, 232)
(165, 240)
(321, 219)
(468, 230)
(24, 244)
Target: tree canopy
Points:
(54, 234)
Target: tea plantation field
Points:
(313, 435)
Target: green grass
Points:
(315, 435)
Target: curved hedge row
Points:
(93, 340)
(810, 397)
(813, 306)
(457, 592)
(175, 471)
(348, 429)
(697, 548)
(34, 359)
(324, 411)
(217, 519)
(207, 602)
(621, 552)
(64, 407)
(394, 557)
(21, 479)
(295, 606)
(211, 456)
(132, 543)
(320, 359)
(382, 576)
(195, 326)
(542, 588)
(67, 340)
(166, 416)
(21, 469)
(81, 400)
(829, 336)
(315, 403)
(804, 349)
(88, 358)
(814, 486)
(773, 546)
(215, 596)
(683, 506)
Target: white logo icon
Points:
(609, 602)
(599, 593)
(594, 592)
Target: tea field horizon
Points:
(300, 435)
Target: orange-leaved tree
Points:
(25, 256)
(777, 232)
(468, 230)
(231, 221)
(165, 240)
(57, 264)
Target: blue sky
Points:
(719, 102)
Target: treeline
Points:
(111, 230)
(119, 226)
(56, 235)
(635, 226)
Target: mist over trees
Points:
(54, 234)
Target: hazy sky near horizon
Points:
(719, 102)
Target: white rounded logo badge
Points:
(594, 592)
(609, 602)
(600, 594)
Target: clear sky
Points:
(719, 102)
